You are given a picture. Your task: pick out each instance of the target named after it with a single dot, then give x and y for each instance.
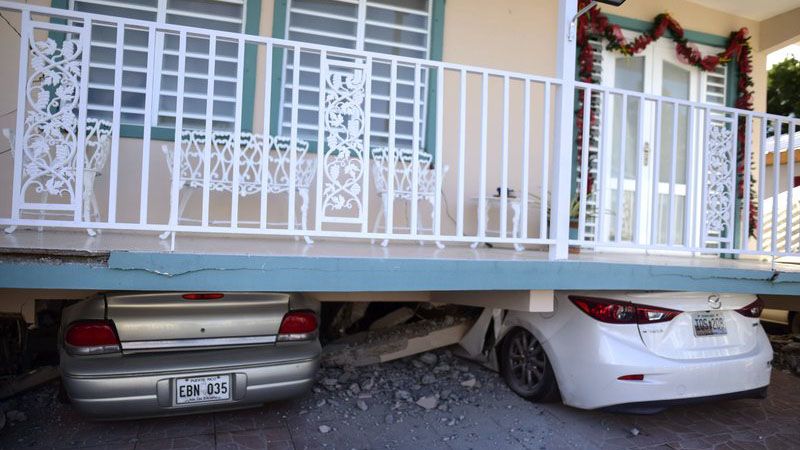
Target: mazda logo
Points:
(714, 301)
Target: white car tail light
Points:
(619, 312)
(91, 337)
(753, 309)
(298, 326)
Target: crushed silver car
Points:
(126, 355)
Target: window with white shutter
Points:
(395, 27)
(225, 15)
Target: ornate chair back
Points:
(221, 154)
(403, 172)
(279, 159)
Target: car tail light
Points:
(206, 296)
(91, 337)
(614, 311)
(608, 311)
(753, 309)
(298, 326)
(634, 377)
(650, 314)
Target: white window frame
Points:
(360, 40)
(161, 10)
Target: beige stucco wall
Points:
(516, 35)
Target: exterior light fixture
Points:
(574, 24)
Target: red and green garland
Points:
(596, 24)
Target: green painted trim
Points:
(435, 54)
(159, 271)
(693, 36)
(251, 26)
(156, 133)
(731, 83)
(279, 16)
(63, 4)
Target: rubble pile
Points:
(410, 387)
(786, 350)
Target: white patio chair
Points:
(278, 164)
(98, 148)
(403, 185)
(253, 147)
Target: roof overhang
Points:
(753, 10)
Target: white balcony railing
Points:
(689, 188)
(473, 164)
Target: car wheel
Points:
(794, 322)
(526, 368)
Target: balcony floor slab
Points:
(58, 259)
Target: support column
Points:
(563, 132)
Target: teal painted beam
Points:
(170, 271)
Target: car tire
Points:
(526, 367)
(794, 322)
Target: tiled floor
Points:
(488, 416)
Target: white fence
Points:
(401, 149)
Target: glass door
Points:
(672, 217)
(651, 175)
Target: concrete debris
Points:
(429, 358)
(29, 380)
(394, 318)
(389, 419)
(354, 389)
(634, 431)
(330, 382)
(402, 395)
(429, 402)
(362, 405)
(373, 347)
(786, 350)
(368, 384)
(441, 368)
(324, 429)
(16, 416)
(428, 378)
(469, 383)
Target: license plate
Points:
(709, 324)
(202, 389)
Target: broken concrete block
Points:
(373, 347)
(324, 429)
(394, 318)
(362, 405)
(469, 383)
(428, 378)
(429, 358)
(428, 403)
(368, 384)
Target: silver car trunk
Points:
(168, 320)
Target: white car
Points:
(637, 352)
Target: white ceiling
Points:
(751, 9)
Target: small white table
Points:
(516, 221)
